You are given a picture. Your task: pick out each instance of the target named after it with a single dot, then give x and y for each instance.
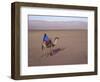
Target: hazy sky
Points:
(57, 22)
(57, 18)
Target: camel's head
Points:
(56, 38)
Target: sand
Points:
(71, 48)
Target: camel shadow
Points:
(54, 52)
(57, 50)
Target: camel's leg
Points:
(45, 52)
(44, 48)
(51, 51)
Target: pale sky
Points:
(57, 18)
(57, 22)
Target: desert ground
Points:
(71, 48)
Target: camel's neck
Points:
(55, 41)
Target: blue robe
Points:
(46, 38)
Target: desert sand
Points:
(71, 48)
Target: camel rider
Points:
(46, 39)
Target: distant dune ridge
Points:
(44, 25)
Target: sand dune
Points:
(71, 48)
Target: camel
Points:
(49, 45)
